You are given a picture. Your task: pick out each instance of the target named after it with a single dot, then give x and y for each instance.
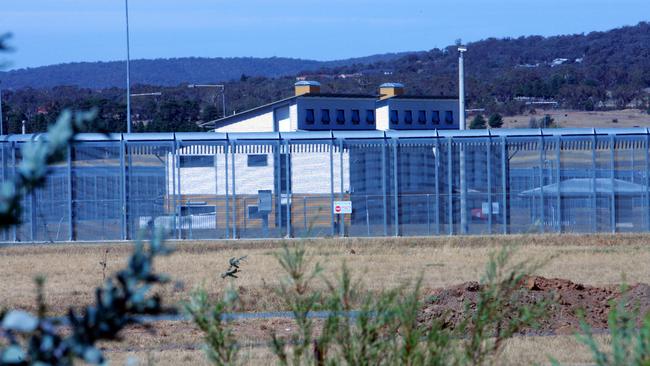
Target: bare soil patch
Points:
(570, 302)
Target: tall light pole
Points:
(461, 125)
(461, 86)
(218, 86)
(128, 70)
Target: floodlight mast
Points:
(461, 126)
(128, 70)
(461, 86)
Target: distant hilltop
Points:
(172, 72)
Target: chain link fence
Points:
(272, 185)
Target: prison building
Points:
(299, 170)
(310, 110)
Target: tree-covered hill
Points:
(594, 71)
(169, 72)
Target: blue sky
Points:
(54, 31)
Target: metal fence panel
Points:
(268, 186)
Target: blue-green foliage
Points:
(37, 156)
(37, 339)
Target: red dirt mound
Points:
(567, 300)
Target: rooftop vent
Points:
(307, 87)
(389, 90)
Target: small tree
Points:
(495, 121)
(478, 122)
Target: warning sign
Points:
(342, 207)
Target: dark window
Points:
(408, 117)
(340, 116)
(253, 212)
(198, 210)
(449, 117)
(394, 117)
(422, 117)
(309, 116)
(370, 116)
(196, 161)
(325, 116)
(255, 160)
(435, 117)
(356, 118)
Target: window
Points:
(370, 116)
(449, 117)
(340, 116)
(422, 117)
(435, 117)
(196, 161)
(198, 210)
(394, 117)
(356, 118)
(325, 116)
(408, 117)
(309, 116)
(253, 212)
(256, 160)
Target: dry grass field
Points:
(73, 270)
(570, 118)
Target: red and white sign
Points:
(342, 207)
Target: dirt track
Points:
(567, 300)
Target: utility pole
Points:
(461, 86)
(128, 70)
(461, 124)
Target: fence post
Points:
(612, 211)
(384, 176)
(541, 182)
(123, 235)
(14, 228)
(226, 152)
(342, 196)
(505, 163)
(287, 175)
(70, 197)
(396, 183)
(594, 220)
(176, 189)
(437, 176)
(234, 192)
(331, 208)
(559, 181)
(647, 180)
(489, 181)
(450, 188)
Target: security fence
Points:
(302, 184)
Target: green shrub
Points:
(40, 340)
(364, 328)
